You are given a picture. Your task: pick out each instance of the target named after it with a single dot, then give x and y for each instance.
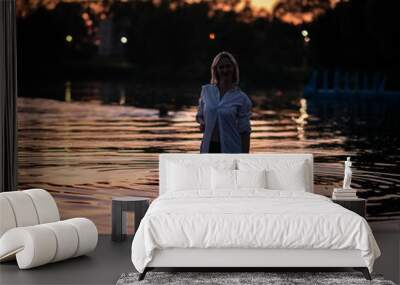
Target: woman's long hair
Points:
(214, 73)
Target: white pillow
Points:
(183, 178)
(187, 174)
(230, 180)
(251, 178)
(223, 179)
(291, 180)
(282, 174)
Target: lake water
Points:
(87, 142)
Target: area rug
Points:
(243, 278)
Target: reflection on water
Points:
(98, 141)
(301, 121)
(68, 92)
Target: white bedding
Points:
(250, 219)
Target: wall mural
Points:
(105, 88)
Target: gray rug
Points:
(242, 278)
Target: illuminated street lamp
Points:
(306, 39)
(211, 36)
(124, 40)
(68, 38)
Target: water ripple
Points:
(85, 153)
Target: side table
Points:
(357, 205)
(121, 205)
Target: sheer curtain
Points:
(8, 96)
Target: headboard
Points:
(165, 157)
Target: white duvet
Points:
(250, 219)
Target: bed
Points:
(245, 211)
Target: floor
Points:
(387, 236)
(103, 266)
(111, 259)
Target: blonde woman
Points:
(224, 110)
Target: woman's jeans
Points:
(215, 147)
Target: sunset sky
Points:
(23, 7)
(268, 4)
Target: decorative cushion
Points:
(223, 179)
(187, 174)
(183, 177)
(282, 174)
(230, 180)
(251, 178)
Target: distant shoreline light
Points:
(124, 40)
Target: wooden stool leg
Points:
(117, 221)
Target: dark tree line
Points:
(170, 39)
(359, 35)
(165, 41)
